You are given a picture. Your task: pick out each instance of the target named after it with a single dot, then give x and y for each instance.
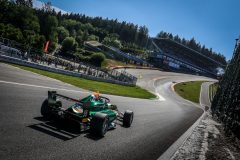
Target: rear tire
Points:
(45, 109)
(127, 118)
(99, 124)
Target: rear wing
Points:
(52, 101)
(53, 95)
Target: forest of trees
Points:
(33, 27)
(195, 46)
(46, 24)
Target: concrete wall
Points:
(13, 60)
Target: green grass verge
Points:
(102, 87)
(189, 90)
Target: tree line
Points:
(55, 26)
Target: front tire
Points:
(99, 124)
(127, 118)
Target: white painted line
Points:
(160, 98)
(45, 87)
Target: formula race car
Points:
(94, 112)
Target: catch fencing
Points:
(226, 102)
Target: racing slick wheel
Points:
(127, 118)
(45, 109)
(99, 124)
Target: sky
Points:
(214, 23)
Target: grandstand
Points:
(172, 55)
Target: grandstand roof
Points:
(191, 50)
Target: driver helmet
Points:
(96, 95)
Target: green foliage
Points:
(97, 59)
(9, 31)
(62, 33)
(88, 27)
(87, 53)
(80, 41)
(70, 24)
(111, 41)
(225, 104)
(69, 44)
(80, 33)
(51, 24)
(85, 35)
(126, 32)
(93, 38)
(56, 27)
(19, 16)
(39, 41)
(133, 49)
(52, 46)
(142, 36)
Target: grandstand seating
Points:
(184, 56)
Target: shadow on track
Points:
(57, 128)
(62, 130)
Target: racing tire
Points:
(127, 118)
(99, 124)
(45, 109)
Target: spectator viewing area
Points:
(16, 50)
(178, 57)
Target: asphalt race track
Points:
(157, 124)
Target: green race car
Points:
(93, 112)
